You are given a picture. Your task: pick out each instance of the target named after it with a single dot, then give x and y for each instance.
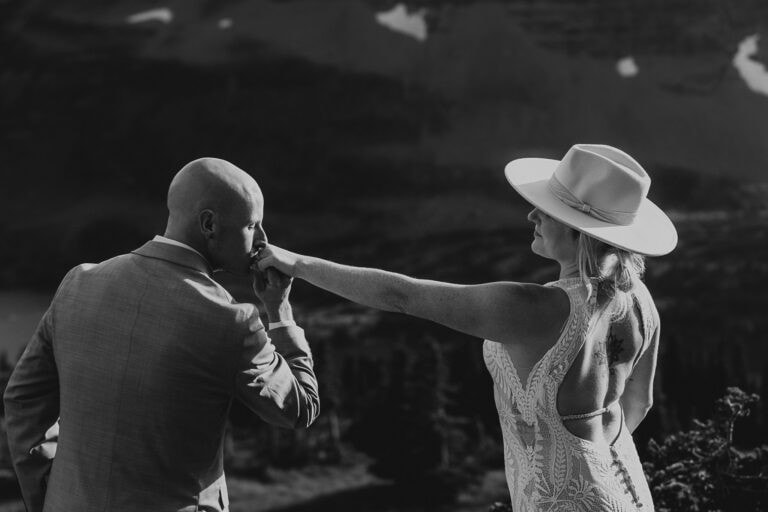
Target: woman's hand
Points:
(279, 259)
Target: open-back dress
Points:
(547, 467)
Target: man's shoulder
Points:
(207, 300)
(110, 263)
(85, 269)
(164, 285)
(207, 294)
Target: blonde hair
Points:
(609, 272)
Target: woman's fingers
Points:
(276, 258)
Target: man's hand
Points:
(272, 288)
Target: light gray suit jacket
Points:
(140, 357)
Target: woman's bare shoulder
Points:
(543, 310)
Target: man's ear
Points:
(208, 224)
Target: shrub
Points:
(701, 469)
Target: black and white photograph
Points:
(384, 256)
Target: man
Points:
(140, 356)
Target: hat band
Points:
(564, 195)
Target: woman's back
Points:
(598, 375)
(553, 461)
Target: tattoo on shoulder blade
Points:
(615, 348)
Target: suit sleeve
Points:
(31, 414)
(276, 378)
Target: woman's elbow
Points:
(644, 404)
(642, 412)
(638, 408)
(397, 300)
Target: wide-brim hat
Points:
(598, 190)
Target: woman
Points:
(572, 361)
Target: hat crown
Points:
(601, 181)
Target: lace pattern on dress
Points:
(547, 467)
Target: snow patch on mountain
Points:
(162, 14)
(627, 67)
(754, 73)
(400, 20)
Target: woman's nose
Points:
(533, 214)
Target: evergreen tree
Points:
(407, 429)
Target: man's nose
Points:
(261, 237)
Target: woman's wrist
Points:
(299, 267)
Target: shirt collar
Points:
(175, 253)
(170, 241)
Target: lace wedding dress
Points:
(547, 467)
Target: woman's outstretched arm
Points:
(502, 311)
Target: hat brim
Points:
(651, 234)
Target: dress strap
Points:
(592, 414)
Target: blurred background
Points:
(378, 131)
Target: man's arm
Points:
(31, 414)
(276, 378)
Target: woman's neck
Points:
(568, 269)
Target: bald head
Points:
(210, 184)
(208, 199)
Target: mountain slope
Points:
(508, 92)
